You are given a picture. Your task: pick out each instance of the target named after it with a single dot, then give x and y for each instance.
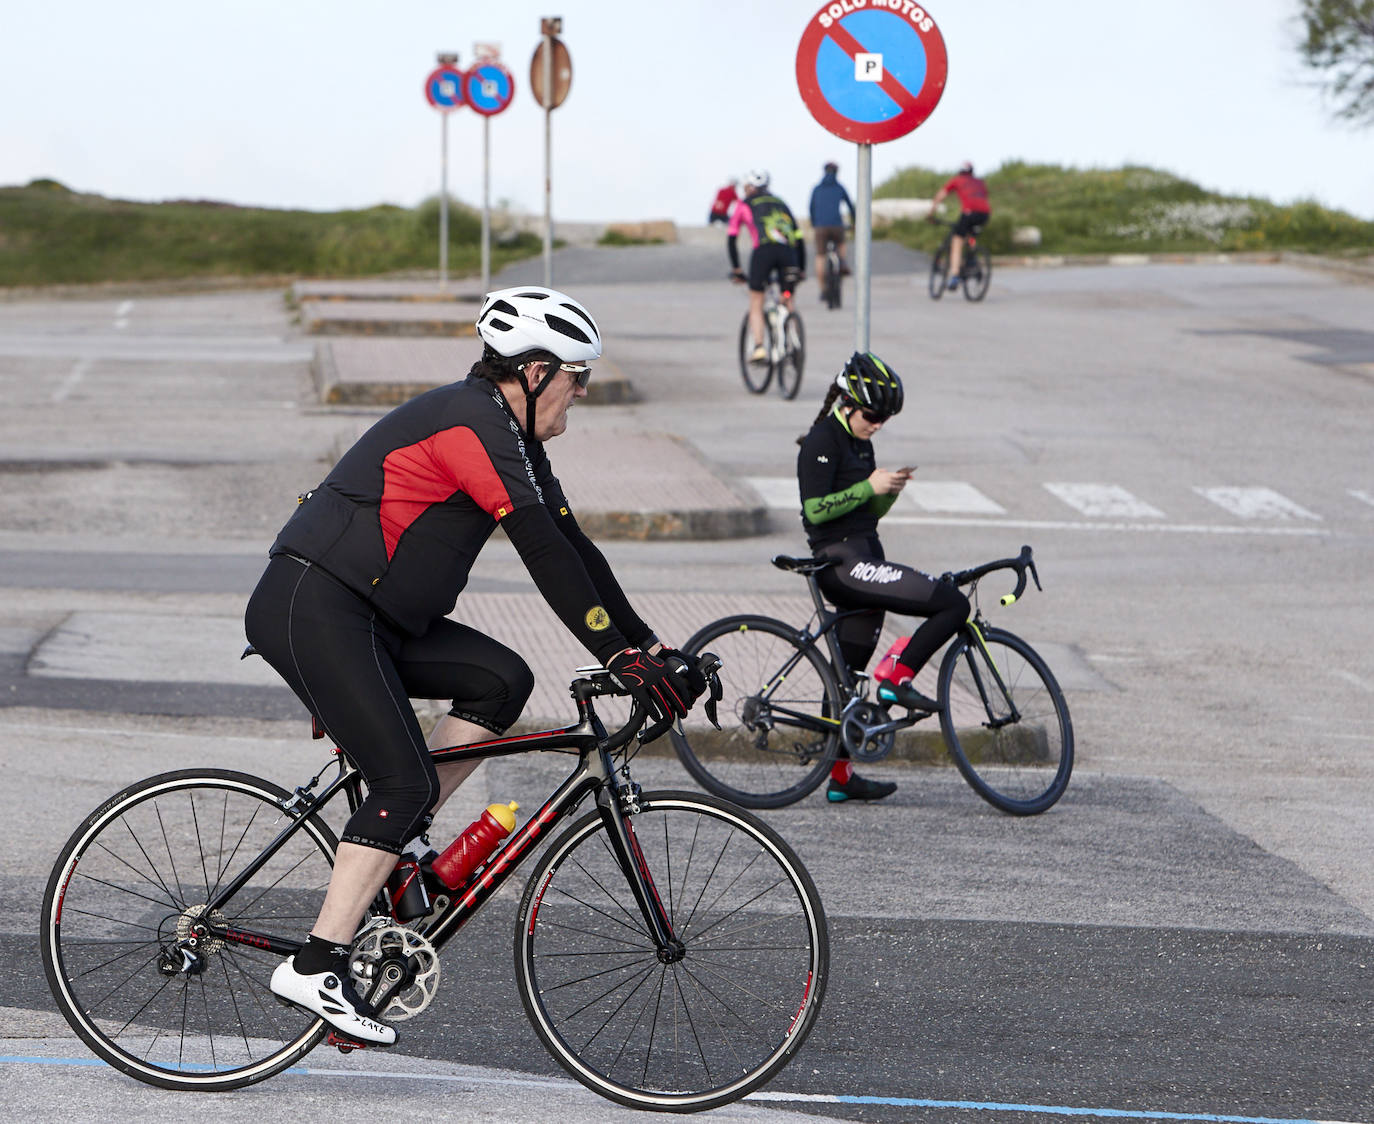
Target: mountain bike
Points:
(831, 274)
(1002, 715)
(975, 268)
(784, 342)
(671, 950)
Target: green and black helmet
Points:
(870, 384)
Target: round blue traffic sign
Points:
(444, 88)
(871, 70)
(488, 87)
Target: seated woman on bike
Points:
(777, 246)
(974, 212)
(843, 495)
(353, 607)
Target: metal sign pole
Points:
(486, 204)
(863, 237)
(548, 155)
(443, 200)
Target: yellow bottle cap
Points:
(504, 814)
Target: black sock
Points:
(320, 955)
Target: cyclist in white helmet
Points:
(353, 607)
(778, 247)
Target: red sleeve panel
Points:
(415, 477)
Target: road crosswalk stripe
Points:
(1104, 500)
(950, 496)
(1256, 503)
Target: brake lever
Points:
(710, 665)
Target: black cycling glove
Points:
(689, 667)
(659, 688)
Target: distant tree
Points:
(1339, 41)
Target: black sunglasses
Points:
(873, 417)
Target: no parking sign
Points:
(871, 70)
(489, 87)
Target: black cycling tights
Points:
(356, 674)
(862, 579)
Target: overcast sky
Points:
(305, 103)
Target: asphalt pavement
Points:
(1187, 935)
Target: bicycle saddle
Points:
(802, 565)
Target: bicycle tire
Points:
(1023, 766)
(756, 376)
(939, 271)
(751, 760)
(979, 276)
(111, 912)
(793, 356)
(690, 1035)
(832, 280)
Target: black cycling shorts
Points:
(768, 256)
(863, 579)
(970, 223)
(357, 673)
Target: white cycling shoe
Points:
(333, 998)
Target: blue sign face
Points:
(444, 88)
(903, 56)
(489, 87)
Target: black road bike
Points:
(788, 708)
(975, 268)
(671, 951)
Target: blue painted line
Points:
(767, 1095)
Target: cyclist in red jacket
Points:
(974, 211)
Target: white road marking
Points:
(74, 377)
(950, 495)
(777, 491)
(1109, 501)
(1350, 677)
(1361, 495)
(122, 314)
(1256, 503)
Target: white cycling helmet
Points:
(513, 321)
(757, 178)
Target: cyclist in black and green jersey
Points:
(778, 247)
(843, 495)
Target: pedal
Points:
(345, 1044)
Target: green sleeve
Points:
(822, 509)
(881, 505)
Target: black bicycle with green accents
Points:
(1002, 714)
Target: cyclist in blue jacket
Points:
(827, 221)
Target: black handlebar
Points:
(1022, 564)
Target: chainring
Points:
(381, 951)
(858, 720)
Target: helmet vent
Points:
(567, 328)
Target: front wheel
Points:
(977, 274)
(1005, 721)
(793, 355)
(756, 376)
(690, 1028)
(126, 930)
(939, 271)
(779, 714)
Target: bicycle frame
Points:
(594, 774)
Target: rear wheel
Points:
(832, 280)
(779, 715)
(977, 273)
(127, 935)
(722, 1013)
(939, 271)
(756, 376)
(793, 355)
(1005, 721)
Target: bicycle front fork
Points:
(618, 805)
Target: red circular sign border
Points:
(472, 105)
(429, 81)
(870, 132)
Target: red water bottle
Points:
(471, 849)
(890, 667)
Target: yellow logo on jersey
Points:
(598, 620)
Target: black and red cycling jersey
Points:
(403, 515)
(972, 193)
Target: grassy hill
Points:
(51, 235)
(1127, 210)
